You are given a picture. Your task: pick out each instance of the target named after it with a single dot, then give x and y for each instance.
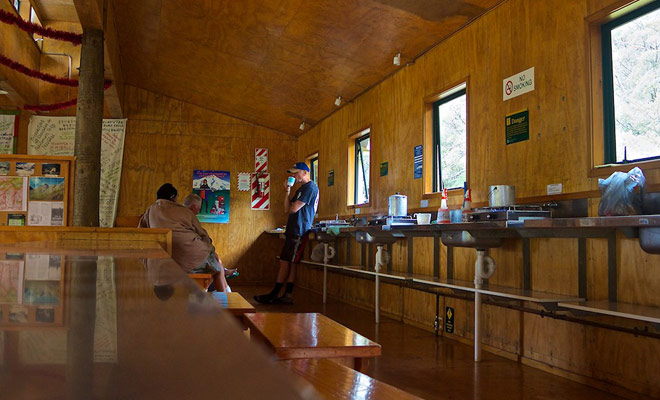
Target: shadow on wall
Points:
(259, 263)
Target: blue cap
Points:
(299, 166)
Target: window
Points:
(314, 168)
(17, 5)
(362, 160)
(631, 86)
(450, 139)
(359, 160)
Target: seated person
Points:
(194, 204)
(191, 246)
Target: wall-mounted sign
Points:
(516, 127)
(449, 320)
(383, 168)
(518, 84)
(261, 160)
(213, 188)
(244, 179)
(419, 158)
(331, 177)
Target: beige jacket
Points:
(191, 244)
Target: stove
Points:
(390, 221)
(511, 213)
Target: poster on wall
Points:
(213, 187)
(244, 181)
(8, 131)
(13, 193)
(55, 136)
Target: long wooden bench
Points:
(334, 381)
(309, 335)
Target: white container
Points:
(397, 205)
(423, 218)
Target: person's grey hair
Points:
(192, 198)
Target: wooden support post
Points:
(89, 122)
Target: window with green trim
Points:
(450, 139)
(362, 162)
(631, 86)
(314, 169)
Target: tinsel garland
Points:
(38, 74)
(59, 106)
(10, 18)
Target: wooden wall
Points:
(552, 37)
(167, 139)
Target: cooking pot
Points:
(501, 196)
(397, 205)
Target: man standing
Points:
(301, 209)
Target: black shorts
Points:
(293, 248)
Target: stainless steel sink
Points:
(373, 237)
(465, 239)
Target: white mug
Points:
(423, 218)
(290, 181)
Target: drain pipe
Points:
(484, 268)
(379, 263)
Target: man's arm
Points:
(295, 206)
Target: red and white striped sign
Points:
(260, 184)
(260, 160)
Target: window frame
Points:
(609, 113)
(314, 157)
(446, 97)
(360, 156)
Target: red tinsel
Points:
(40, 75)
(10, 18)
(59, 106)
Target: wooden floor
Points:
(432, 367)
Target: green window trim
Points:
(437, 173)
(609, 122)
(359, 165)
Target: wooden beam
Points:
(90, 13)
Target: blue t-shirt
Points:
(301, 221)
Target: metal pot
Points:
(501, 196)
(397, 205)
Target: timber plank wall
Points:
(551, 36)
(167, 139)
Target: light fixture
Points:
(302, 126)
(3, 92)
(338, 101)
(397, 59)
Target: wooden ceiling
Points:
(275, 62)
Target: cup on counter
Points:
(290, 181)
(423, 218)
(456, 216)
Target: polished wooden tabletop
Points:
(105, 327)
(233, 302)
(335, 381)
(309, 335)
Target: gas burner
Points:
(393, 221)
(509, 213)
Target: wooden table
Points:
(334, 381)
(309, 335)
(234, 303)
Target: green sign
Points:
(331, 177)
(383, 168)
(516, 126)
(449, 320)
